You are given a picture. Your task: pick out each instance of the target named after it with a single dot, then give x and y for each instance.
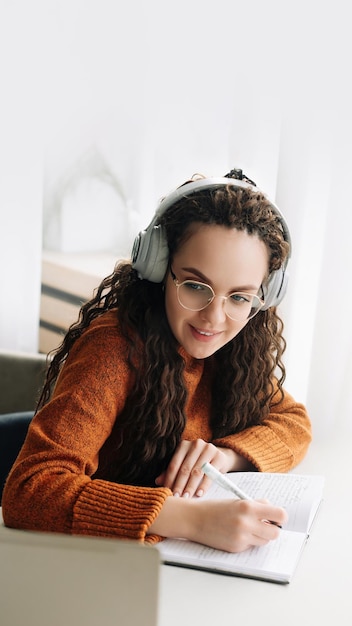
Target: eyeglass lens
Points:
(238, 306)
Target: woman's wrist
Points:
(177, 518)
(236, 462)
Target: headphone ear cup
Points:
(150, 254)
(275, 288)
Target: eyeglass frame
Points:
(197, 282)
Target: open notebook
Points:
(60, 580)
(276, 561)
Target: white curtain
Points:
(313, 188)
(161, 90)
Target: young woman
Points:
(176, 361)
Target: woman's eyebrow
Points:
(205, 279)
(193, 270)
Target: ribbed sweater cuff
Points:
(111, 510)
(267, 454)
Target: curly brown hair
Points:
(154, 417)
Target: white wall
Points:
(21, 178)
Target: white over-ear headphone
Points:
(150, 253)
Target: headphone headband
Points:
(150, 254)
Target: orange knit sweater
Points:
(50, 486)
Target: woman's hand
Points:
(230, 525)
(184, 474)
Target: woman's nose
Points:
(215, 311)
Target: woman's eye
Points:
(239, 298)
(195, 286)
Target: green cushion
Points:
(21, 380)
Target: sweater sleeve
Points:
(279, 443)
(50, 487)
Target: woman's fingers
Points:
(184, 474)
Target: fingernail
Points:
(199, 493)
(176, 494)
(185, 494)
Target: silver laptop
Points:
(61, 580)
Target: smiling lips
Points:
(202, 332)
(203, 335)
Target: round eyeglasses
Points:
(196, 296)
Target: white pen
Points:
(223, 481)
(226, 483)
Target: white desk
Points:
(321, 587)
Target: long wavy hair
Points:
(152, 422)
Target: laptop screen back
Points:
(60, 580)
